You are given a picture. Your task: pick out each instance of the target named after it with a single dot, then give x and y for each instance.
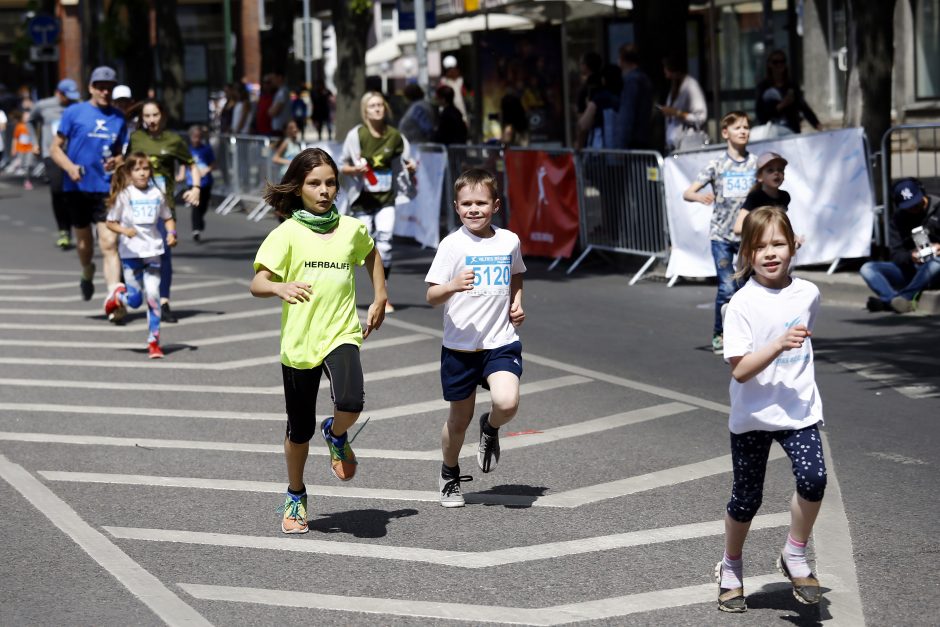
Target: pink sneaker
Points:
(153, 351)
(27, 185)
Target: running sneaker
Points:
(197, 236)
(28, 185)
(451, 496)
(63, 241)
(488, 453)
(295, 514)
(114, 301)
(342, 459)
(718, 344)
(153, 351)
(389, 308)
(86, 284)
(166, 314)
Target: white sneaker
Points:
(451, 495)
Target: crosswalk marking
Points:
(457, 559)
(75, 297)
(88, 311)
(599, 609)
(568, 499)
(198, 342)
(169, 364)
(103, 327)
(555, 434)
(129, 573)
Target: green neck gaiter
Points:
(318, 223)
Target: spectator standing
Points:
(88, 147)
(419, 121)
(636, 103)
(288, 148)
(46, 115)
(299, 111)
(263, 125)
(590, 68)
(24, 148)
(226, 114)
(597, 124)
(685, 110)
(164, 148)
(280, 111)
(202, 153)
(453, 79)
(241, 110)
(3, 131)
(780, 100)
(123, 99)
(322, 104)
(911, 270)
(451, 128)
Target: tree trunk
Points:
(352, 20)
(250, 43)
(871, 54)
(276, 42)
(170, 59)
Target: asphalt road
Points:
(143, 492)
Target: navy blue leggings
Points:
(749, 453)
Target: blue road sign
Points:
(43, 30)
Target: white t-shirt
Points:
(784, 394)
(140, 209)
(478, 319)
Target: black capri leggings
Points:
(343, 369)
(749, 453)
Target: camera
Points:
(922, 243)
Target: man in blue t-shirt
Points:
(88, 146)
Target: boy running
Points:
(477, 275)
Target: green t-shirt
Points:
(379, 152)
(292, 252)
(163, 150)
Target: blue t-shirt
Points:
(204, 157)
(93, 135)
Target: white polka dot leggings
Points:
(749, 453)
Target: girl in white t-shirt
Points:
(774, 397)
(136, 206)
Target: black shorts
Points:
(462, 372)
(86, 207)
(343, 369)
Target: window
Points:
(927, 49)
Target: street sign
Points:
(38, 54)
(43, 30)
(406, 14)
(303, 51)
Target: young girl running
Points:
(774, 397)
(309, 262)
(136, 207)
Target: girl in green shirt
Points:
(164, 149)
(309, 262)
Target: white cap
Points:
(449, 62)
(121, 91)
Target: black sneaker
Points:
(86, 285)
(876, 304)
(166, 314)
(488, 453)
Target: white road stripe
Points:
(75, 298)
(599, 609)
(88, 311)
(569, 499)
(508, 443)
(594, 374)
(212, 341)
(274, 390)
(457, 559)
(169, 364)
(139, 582)
(892, 377)
(104, 327)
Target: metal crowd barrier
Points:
(908, 150)
(623, 205)
(334, 149)
(248, 168)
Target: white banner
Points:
(420, 218)
(831, 200)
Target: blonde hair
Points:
(122, 176)
(364, 101)
(477, 176)
(755, 225)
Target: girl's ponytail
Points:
(122, 176)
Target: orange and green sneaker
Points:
(295, 514)
(342, 459)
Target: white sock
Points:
(732, 572)
(794, 553)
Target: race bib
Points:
(144, 211)
(492, 274)
(383, 181)
(736, 184)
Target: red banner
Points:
(543, 202)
